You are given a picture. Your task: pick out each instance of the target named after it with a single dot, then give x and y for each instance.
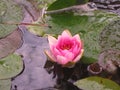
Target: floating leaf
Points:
(89, 27)
(36, 30)
(109, 60)
(10, 66)
(61, 4)
(82, 1)
(10, 43)
(97, 83)
(5, 84)
(110, 36)
(9, 13)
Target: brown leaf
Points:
(30, 10)
(10, 43)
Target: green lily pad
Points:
(9, 13)
(5, 84)
(97, 83)
(61, 4)
(89, 27)
(82, 1)
(110, 36)
(10, 66)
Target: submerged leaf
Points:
(97, 83)
(10, 66)
(10, 43)
(9, 13)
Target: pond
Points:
(99, 32)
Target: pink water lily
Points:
(66, 49)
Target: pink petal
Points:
(52, 40)
(63, 52)
(56, 52)
(61, 39)
(49, 54)
(77, 37)
(61, 60)
(77, 40)
(69, 56)
(79, 56)
(75, 50)
(66, 33)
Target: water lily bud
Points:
(66, 50)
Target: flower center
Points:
(66, 46)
